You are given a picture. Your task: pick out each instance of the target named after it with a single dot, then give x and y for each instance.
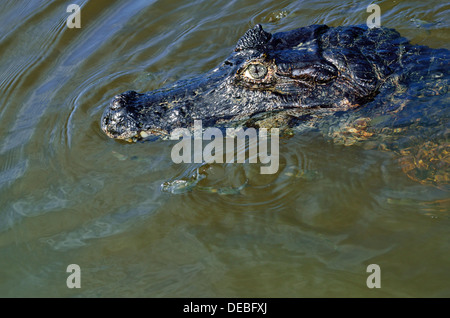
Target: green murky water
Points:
(70, 195)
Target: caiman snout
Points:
(132, 116)
(117, 120)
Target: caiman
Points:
(352, 82)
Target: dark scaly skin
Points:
(316, 76)
(308, 69)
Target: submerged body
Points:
(302, 76)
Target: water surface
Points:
(71, 195)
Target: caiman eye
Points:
(256, 71)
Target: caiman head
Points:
(288, 74)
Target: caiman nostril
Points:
(130, 94)
(115, 105)
(117, 102)
(121, 100)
